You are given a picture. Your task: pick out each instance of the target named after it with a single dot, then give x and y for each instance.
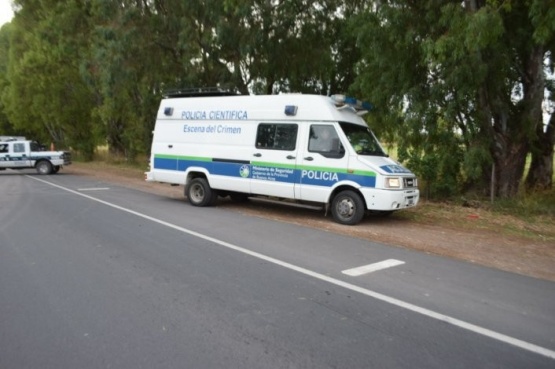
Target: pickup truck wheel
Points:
(347, 208)
(43, 167)
(199, 193)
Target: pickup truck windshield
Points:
(362, 139)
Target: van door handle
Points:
(290, 157)
(258, 155)
(170, 146)
(309, 158)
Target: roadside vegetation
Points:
(464, 89)
(530, 216)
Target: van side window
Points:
(18, 147)
(276, 136)
(324, 140)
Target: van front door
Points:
(274, 160)
(323, 162)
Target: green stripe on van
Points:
(179, 157)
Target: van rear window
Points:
(276, 136)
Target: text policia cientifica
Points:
(214, 115)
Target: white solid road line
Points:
(356, 272)
(376, 295)
(93, 189)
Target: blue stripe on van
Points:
(325, 177)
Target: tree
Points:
(115, 68)
(45, 93)
(275, 46)
(5, 125)
(94, 71)
(540, 175)
(470, 70)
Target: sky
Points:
(6, 12)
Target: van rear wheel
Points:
(199, 193)
(347, 208)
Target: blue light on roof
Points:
(290, 110)
(358, 105)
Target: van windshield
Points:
(362, 139)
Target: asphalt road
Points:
(93, 275)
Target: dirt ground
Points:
(462, 239)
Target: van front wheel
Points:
(347, 208)
(199, 193)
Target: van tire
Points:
(199, 193)
(43, 167)
(347, 208)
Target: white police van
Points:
(308, 148)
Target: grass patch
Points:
(531, 217)
(529, 205)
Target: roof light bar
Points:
(342, 101)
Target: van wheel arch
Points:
(198, 191)
(347, 205)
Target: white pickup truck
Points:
(22, 154)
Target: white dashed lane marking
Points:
(356, 272)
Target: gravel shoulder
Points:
(468, 234)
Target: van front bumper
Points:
(388, 200)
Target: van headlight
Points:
(394, 182)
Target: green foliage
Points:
(458, 86)
(440, 174)
(540, 203)
(6, 128)
(463, 81)
(476, 159)
(45, 97)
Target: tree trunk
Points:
(510, 159)
(512, 138)
(508, 146)
(541, 144)
(540, 175)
